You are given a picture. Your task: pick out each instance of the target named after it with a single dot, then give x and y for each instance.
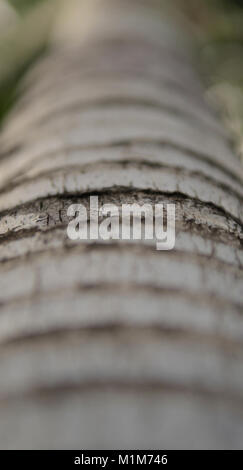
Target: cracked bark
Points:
(114, 345)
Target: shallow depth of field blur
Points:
(25, 27)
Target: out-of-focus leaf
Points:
(23, 5)
(20, 46)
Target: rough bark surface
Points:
(113, 344)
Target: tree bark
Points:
(117, 345)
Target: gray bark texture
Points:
(114, 344)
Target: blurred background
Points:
(26, 27)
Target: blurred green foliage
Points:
(21, 45)
(23, 5)
(9, 86)
(219, 27)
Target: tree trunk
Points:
(115, 344)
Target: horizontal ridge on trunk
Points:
(112, 344)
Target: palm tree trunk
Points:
(117, 345)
